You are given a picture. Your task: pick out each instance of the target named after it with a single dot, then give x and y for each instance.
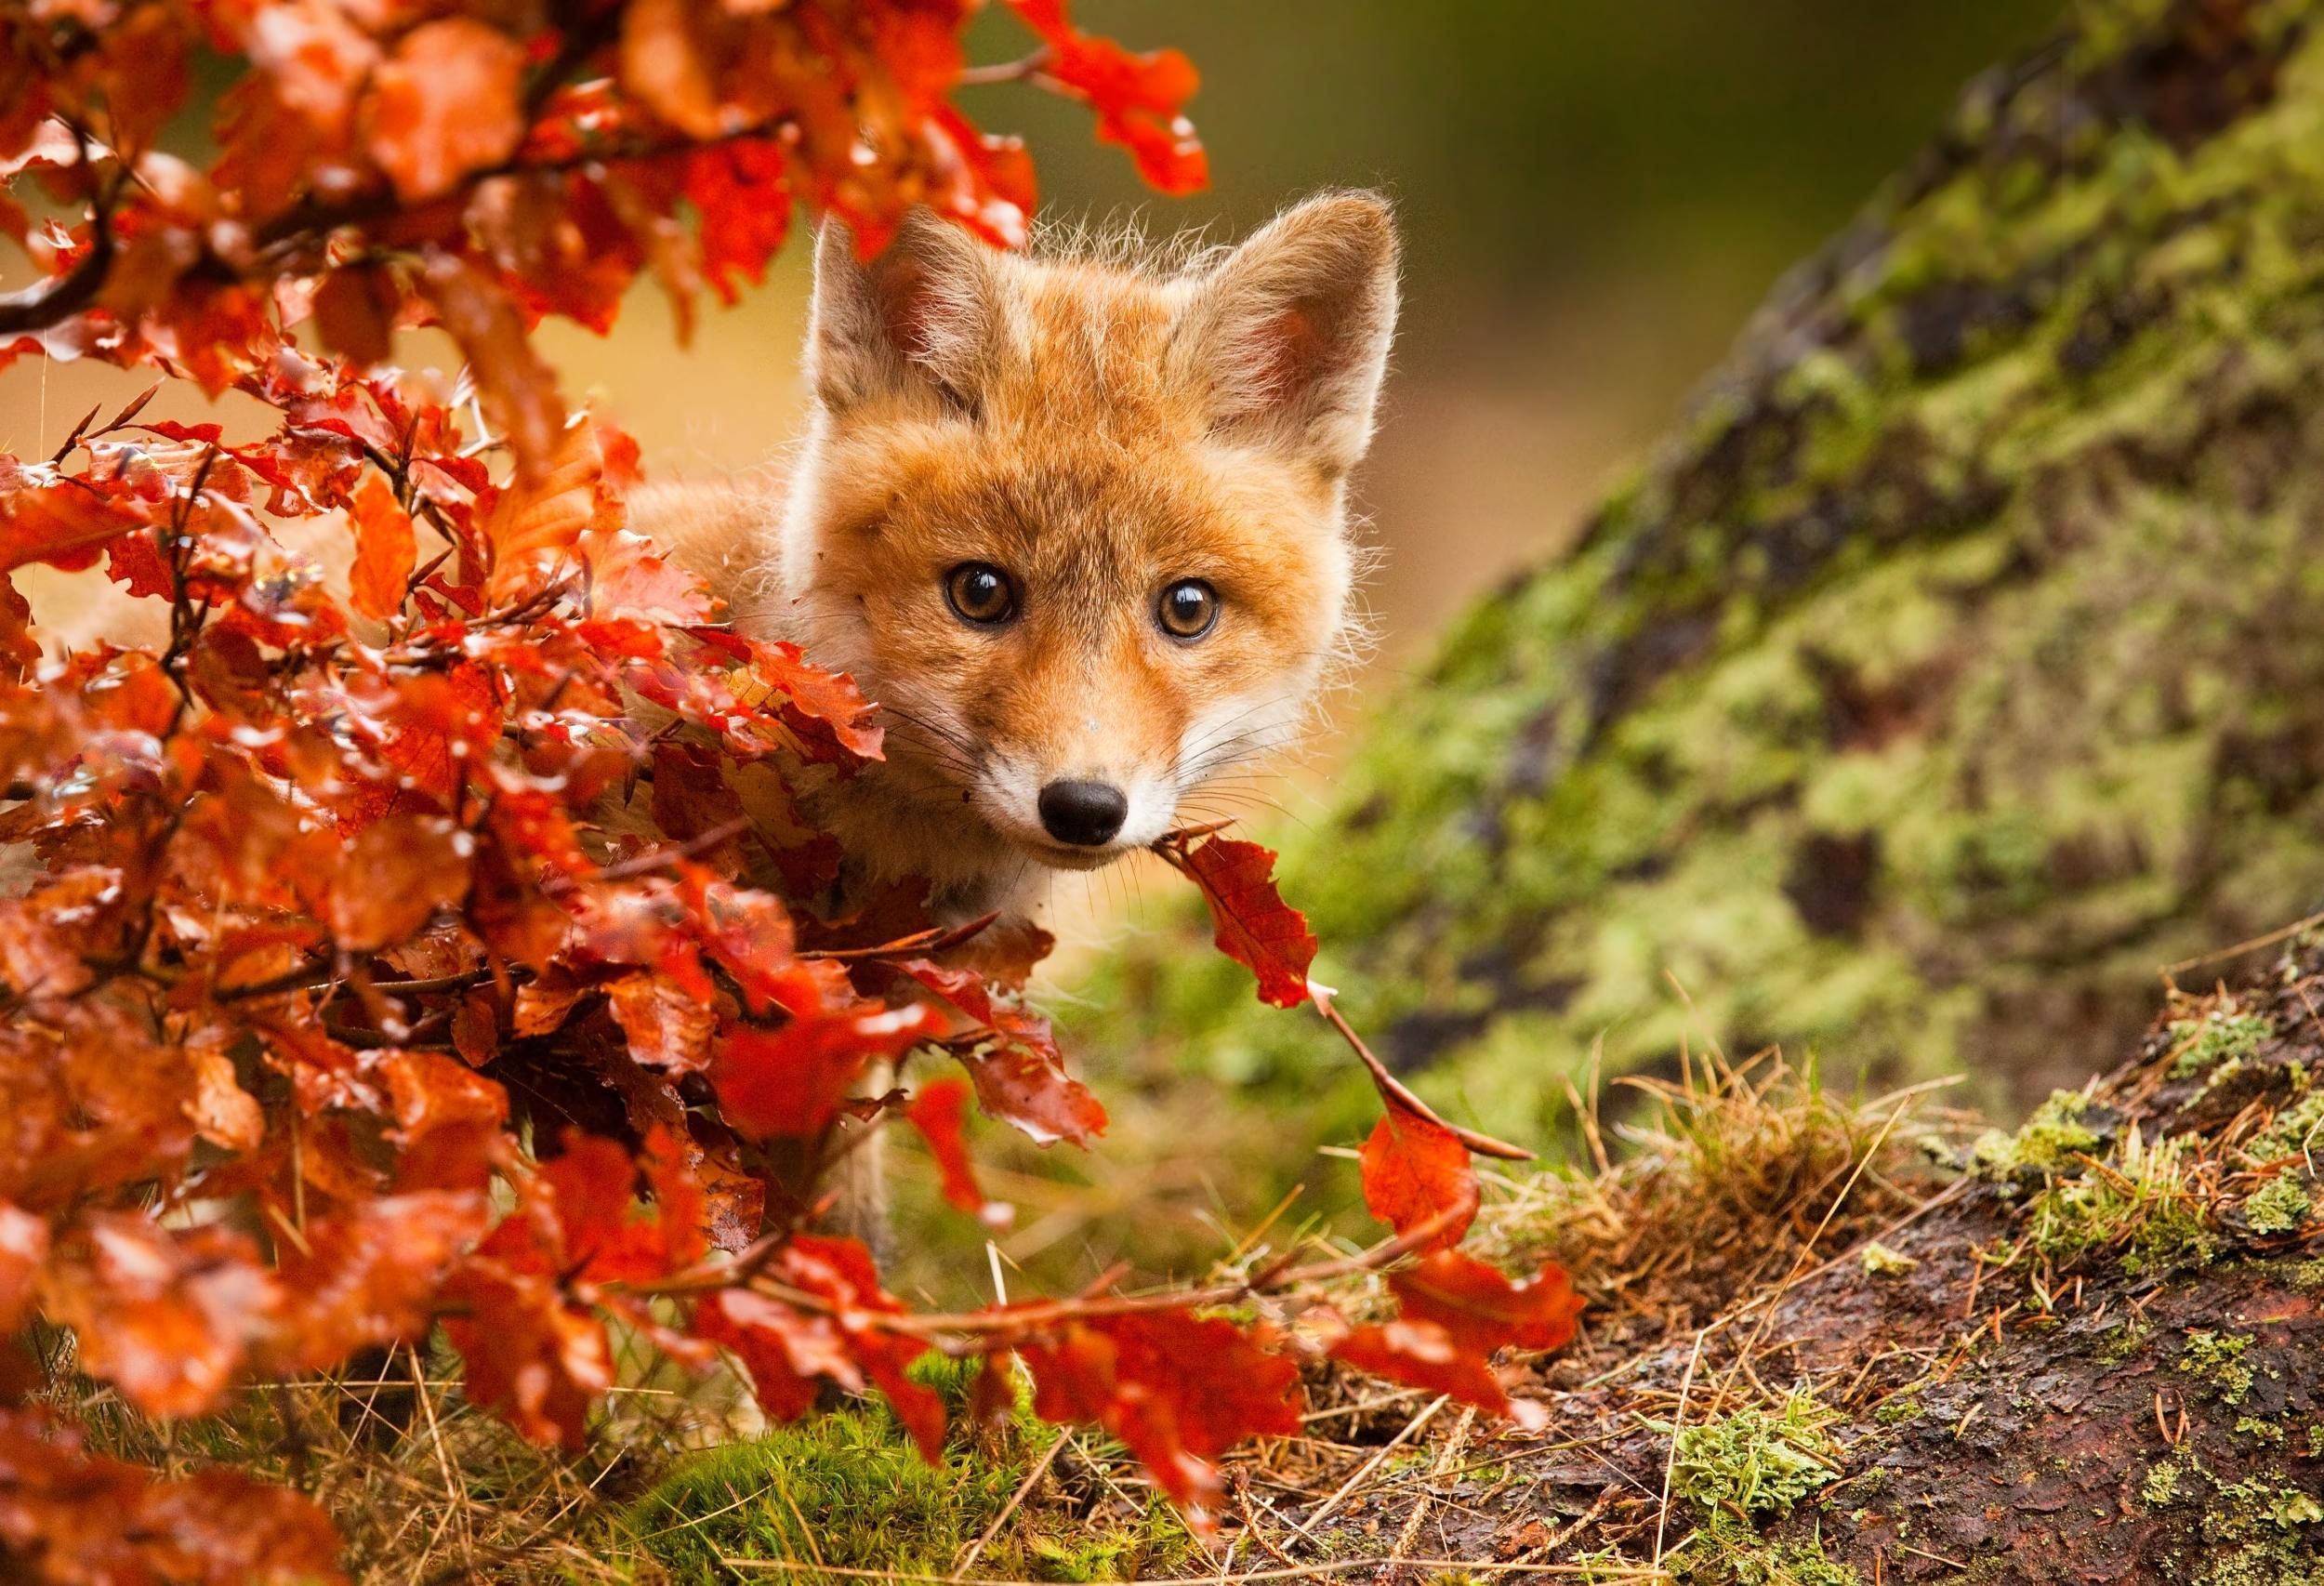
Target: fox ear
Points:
(1290, 334)
(911, 324)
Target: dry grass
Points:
(1720, 1186)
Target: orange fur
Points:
(1097, 430)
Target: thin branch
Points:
(1401, 1094)
(38, 307)
(1022, 71)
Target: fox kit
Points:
(1078, 526)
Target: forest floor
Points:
(1829, 1342)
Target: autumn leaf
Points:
(99, 1520)
(666, 1025)
(1140, 99)
(1178, 1390)
(1029, 1088)
(937, 1110)
(355, 311)
(790, 1081)
(397, 873)
(531, 1355)
(1455, 1312)
(369, 1274)
(1417, 1173)
(519, 390)
(385, 551)
(445, 104)
(788, 1353)
(24, 1249)
(165, 1318)
(1254, 925)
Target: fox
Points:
(1075, 518)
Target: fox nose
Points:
(1084, 813)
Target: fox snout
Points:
(1077, 806)
(1085, 814)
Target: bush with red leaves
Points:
(306, 892)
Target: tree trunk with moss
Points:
(1957, 660)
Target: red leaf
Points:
(68, 1515)
(743, 194)
(1019, 1072)
(790, 1081)
(355, 314)
(445, 104)
(23, 1247)
(666, 1025)
(533, 1358)
(367, 1276)
(1140, 99)
(519, 390)
(1415, 1171)
(936, 1110)
(824, 709)
(788, 1349)
(1178, 1390)
(1029, 1088)
(1455, 1313)
(1420, 1355)
(396, 874)
(788, 1353)
(1254, 925)
(385, 549)
(167, 1318)
(1482, 1308)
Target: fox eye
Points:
(1188, 609)
(981, 593)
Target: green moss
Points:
(2125, 1341)
(1725, 1552)
(2266, 1433)
(2279, 1205)
(2216, 1037)
(1899, 1407)
(1755, 1462)
(2257, 1533)
(2049, 1142)
(849, 1489)
(1882, 1262)
(2294, 1131)
(2217, 1358)
(2162, 1486)
(2141, 1208)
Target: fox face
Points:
(1080, 527)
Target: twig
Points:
(1032, 1478)
(1306, 1529)
(1024, 1319)
(1401, 1095)
(1444, 1457)
(42, 305)
(1678, 1425)
(1595, 1572)
(1767, 1312)
(935, 939)
(2239, 948)
(1023, 70)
